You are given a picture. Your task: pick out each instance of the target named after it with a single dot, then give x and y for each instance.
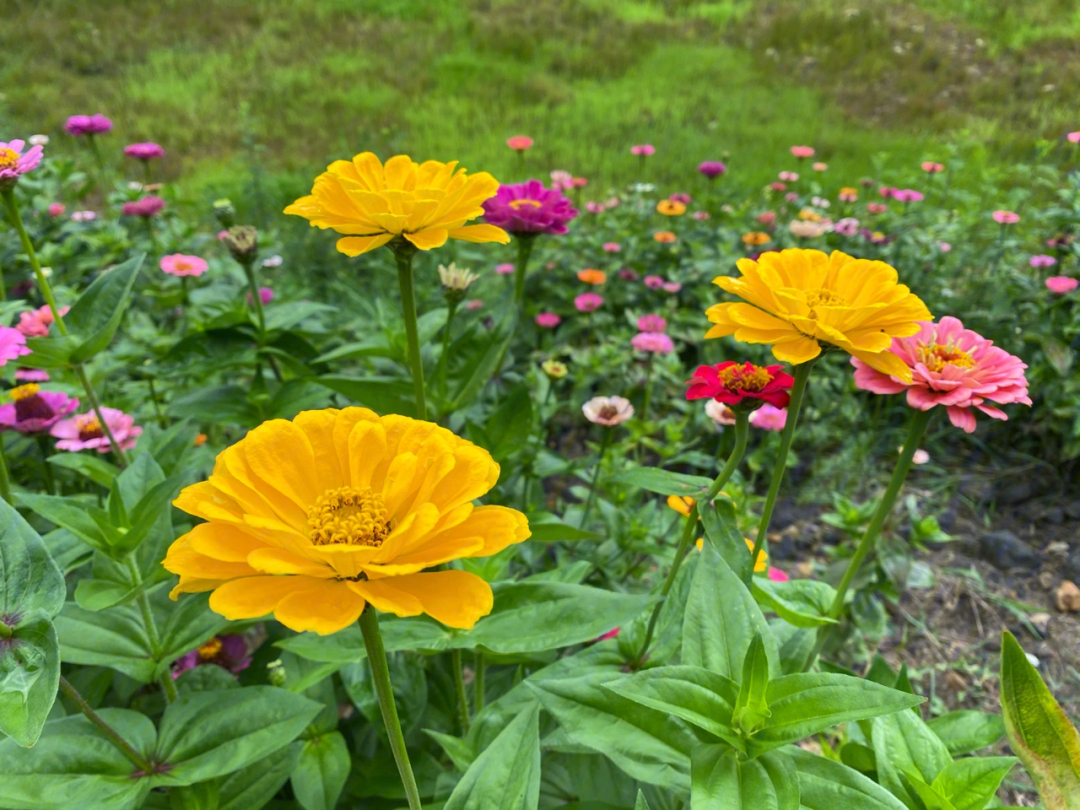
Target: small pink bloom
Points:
(652, 323)
(144, 151)
(953, 367)
(579, 182)
(611, 202)
(519, 143)
(719, 413)
(148, 206)
(178, 264)
(887, 191)
(712, 168)
(266, 295)
(561, 180)
(505, 269)
(628, 274)
(1073, 137)
(1061, 284)
(791, 196)
(588, 302)
(612, 247)
(14, 163)
(474, 304)
(643, 149)
(672, 287)
(848, 226)
(31, 375)
(778, 186)
(932, 168)
(769, 417)
(221, 235)
(655, 342)
(34, 410)
(654, 282)
(1006, 217)
(820, 167)
(789, 177)
(802, 152)
(88, 124)
(608, 411)
(594, 207)
(907, 195)
(84, 432)
(766, 218)
(700, 215)
(848, 196)
(877, 208)
(83, 216)
(1042, 260)
(680, 198)
(920, 457)
(944, 247)
(548, 320)
(12, 344)
(56, 209)
(776, 575)
(36, 322)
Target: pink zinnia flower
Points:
(820, 167)
(594, 207)
(654, 282)
(178, 264)
(612, 247)
(266, 295)
(56, 209)
(887, 191)
(12, 344)
(562, 180)
(944, 247)
(672, 287)
(778, 186)
(1006, 217)
(14, 164)
(766, 218)
(474, 305)
(144, 151)
(579, 182)
(148, 206)
(608, 411)
(788, 177)
(954, 367)
(1073, 137)
(769, 417)
(700, 215)
(33, 410)
(505, 269)
(848, 226)
(655, 342)
(642, 149)
(932, 168)
(588, 302)
(776, 575)
(907, 195)
(680, 198)
(848, 196)
(629, 274)
(83, 216)
(802, 152)
(36, 322)
(529, 208)
(652, 323)
(877, 208)
(83, 432)
(548, 320)
(1061, 284)
(712, 168)
(1042, 260)
(88, 124)
(31, 374)
(519, 143)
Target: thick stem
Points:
(525, 246)
(168, 686)
(380, 675)
(604, 443)
(125, 748)
(459, 687)
(404, 257)
(916, 428)
(802, 374)
(5, 631)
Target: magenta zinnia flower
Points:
(769, 417)
(655, 342)
(529, 208)
(14, 164)
(1061, 284)
(1042, 260)
(548, 320)
(588, 302)
(31, 375)
(712, 168)
(12, 344)
(654, 282)
(906, 195)
(230, 652)
(148, 206)
(642, 149)
(83, 431)
(88, 124)
(33, 410)
(144, 151)
(180, 265)
(652, 323)
(954, 367)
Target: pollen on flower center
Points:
(209, 650)
(824, 298)
(936, 356)
(745, 378)
(519, 203)
(9, 159)
(89, 428)
(24, 391)
(356, 516)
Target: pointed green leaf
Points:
(97, 313)
(720, 780)
(903, 743)
(664, 482)
(93, 467)
(29, 676)
(971, 782)
(251, 788)
(828, 785)
(66, 514)
(801, 602)
(320, 775)
(751, 706)
(966, 731)
(29, 579)
(722, 532)
(506, 775)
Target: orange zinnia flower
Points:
(756, 238)
(664, 237)
(592, 276)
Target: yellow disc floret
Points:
(349, 515)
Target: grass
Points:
(287, 85)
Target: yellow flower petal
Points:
(428, 240)
(280, 561)
(355, 245)
(455, 598)
(481, 233)
(330, 607)
(253, 597)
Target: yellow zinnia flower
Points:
(671, 208)
(798, 298)
(425, 203)
(312, 519)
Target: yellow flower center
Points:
(356, 516)
(519, 203)
(935, 357)
(210, 649)
(89, 428)
(9, 159)
(24, 391)
(741, 378)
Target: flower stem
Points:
(380, 674)
(46, 468)
(444, 358)
(916, 428)
(604, 443)
(168, 686)
(742, 432)
(478, 683)
(125, 748)
(91, 394)
(648, 388)
(404, 255)
(256, 299)
(525, 246)
(802, 374)
(5, 478)
(459, 687)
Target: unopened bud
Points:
(242, 242)
(455, 281)
(275, 673)
(225, 213)
(554, 369)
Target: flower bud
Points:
(225, 213)
(455, 281)
(554, 369)
(242, 242)
(275, 673)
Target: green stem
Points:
(444, 358)
(256, 299)
(46, 467)
(125, 748)
(459, 687)
(916, 428)
(380, 675)
(742, 433)
(91, 394)
(5, 478)
(604, 443)
(404, 256)
(157, 405)
(648, 388)
(168, 686)
(478, 683)
(525, 246)
(802, 374)
(5, 631)
(3, 287)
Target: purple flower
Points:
(712, 168)
(654, 282)
(656, 342)
(88, 124)
(14, 164)
(848, 226)
(529, 208)
(33, 410)
(628, 274)
(1042, 260)
(148, 206)
(144, 151)
(230, 652)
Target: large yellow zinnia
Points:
(311, 519)
(425, 203)
(798, 299)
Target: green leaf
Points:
(546, 528)
(288, 314)
(487, 365)
(828, 785)
(66, 514)
(697, 695)
(374, 346)
(509, 425)
(97, 314)
(721, 620)
(649, 745)
(654, 479)
(928, 797)
(252, 787)
(809, 702)
(903, 744)
(720, 780)
(185, 625)
(93, 467)
(29, 677)
(382, 395)
(641, 803)
(751, 706)
(207, 734)
(1039, 730)
(801, 602)
(29, 579)
(971, 782)
(722, 532)
(111, 638)
(459, 750)
(319, 776)
(506, 775)
(73, 765)
(966, 731)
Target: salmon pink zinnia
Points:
(802, 152)
(519, 143)
(1061, 284)
(769, 417)
(83, 431)
(954, 367)
(36, 322)
(529, 208)
(1006, 217)
(180, 265)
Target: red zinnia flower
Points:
(731, 383)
